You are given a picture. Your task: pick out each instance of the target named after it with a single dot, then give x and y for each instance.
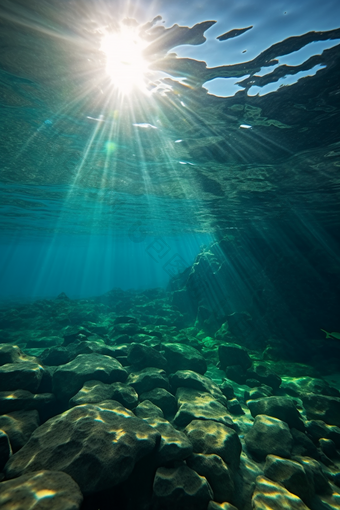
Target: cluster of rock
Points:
(137, 421)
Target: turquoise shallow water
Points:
(169, 254)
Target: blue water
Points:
(241, 133)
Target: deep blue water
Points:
(240, 131)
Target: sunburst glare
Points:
(125, 63)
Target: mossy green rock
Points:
(269, 435)
(270, 495)
(184, 357)
(68, 379)
(233, 354)
(94, 392)
(189, 379)
(216, 471)
(23, 375)
(320, 407)
(198, 405)
(282, 408)
(291, 475)
(181, 488)
(211, 437)
(148, 379)
(41, 489)
(174, 445)
(19, 426)
(161, 398)
(97, 445)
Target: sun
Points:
(125, 64)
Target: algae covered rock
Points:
(320, 407)
(19, 426)
(94, 392)
(98, 445)
(147, 409)
(189, 379)
(264, 376)
(68, 379)
(143, 356)
(148, 379)
(233, 354)
(291, 475)
(22, 400)
(216, 471)
(213, 505)
(174, 445)
(180, 488)
(198, 405)
(273, 496)
(40, 490)
(184, 357)
(13, 354)
(282, 408)
(211, 437)
(161, 398)
(23, 375)
(269, 435)
(5, 449)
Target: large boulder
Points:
(19, 426)
(198, 405)
(233, 354)
(272, 496)
(291, 475)
(282, 408)
(184, 357)
(211, 437)
(68, 379)
(94, 392)
(97, 445)
(180, 488)
(321, 407)
(148, 379)
(189, 379)
(5, 449)
(13, 354)
(24, 375)
(143, 356)
(161, 398)
(216, 471)
(174, 445)
(22, 400)
(41, 490)
(269, 436)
